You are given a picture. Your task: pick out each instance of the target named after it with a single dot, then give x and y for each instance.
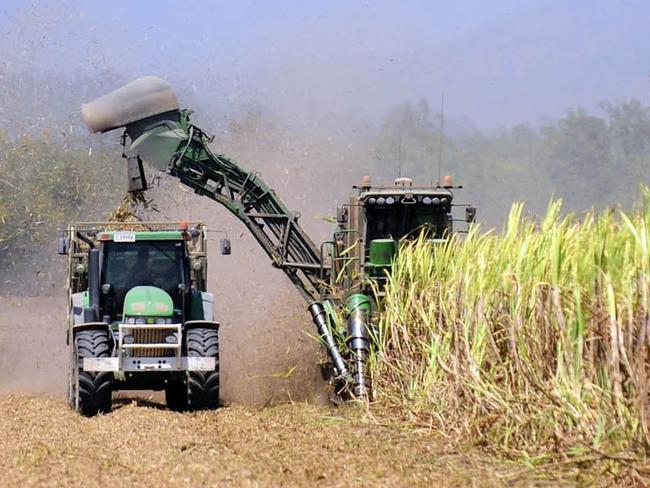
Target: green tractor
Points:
(140, 317)
(340, 278)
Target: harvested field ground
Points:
(140, 443)
(43, 443)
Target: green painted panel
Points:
(167, 235)
(357, 301)
(382, 251)
(148, 301)
(196, 306)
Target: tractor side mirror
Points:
(226, 248)
(62, 246)
(106, 288)
(470, 214)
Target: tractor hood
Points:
(148, 301)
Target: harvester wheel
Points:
(203, 386)
(89, 391)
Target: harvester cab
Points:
(378, 220)
(371, 228)
(140, 315)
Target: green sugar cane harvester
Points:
(340, 279)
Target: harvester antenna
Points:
(440, 137)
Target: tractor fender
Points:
(88, 326)
(202, 324)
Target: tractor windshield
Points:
(143, 263)
(399, 220)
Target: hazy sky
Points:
(499, 62)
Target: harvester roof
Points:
(397, 190)
(404, 186)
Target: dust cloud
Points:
(267, 348)
(268, 352)
(33, 353)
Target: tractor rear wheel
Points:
(203, 386)
(91, 391)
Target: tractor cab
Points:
(121, 273)
(141, 265)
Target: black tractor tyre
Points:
(91, 391)
(176, 394)
(203, 386)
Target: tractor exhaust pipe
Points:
(91, 314)
(319, 317)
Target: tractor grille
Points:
(151, 336)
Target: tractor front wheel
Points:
(203, 386)
(90, 392)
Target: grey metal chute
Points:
(142, 98)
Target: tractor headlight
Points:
(426, 200)
(372, 201)
(171, 339)
(130, 320)
(381, 201)
(128, 339)
(390, 201)
(140, 320)
(435, 201)
(163, 320)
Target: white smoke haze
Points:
(339, 65)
